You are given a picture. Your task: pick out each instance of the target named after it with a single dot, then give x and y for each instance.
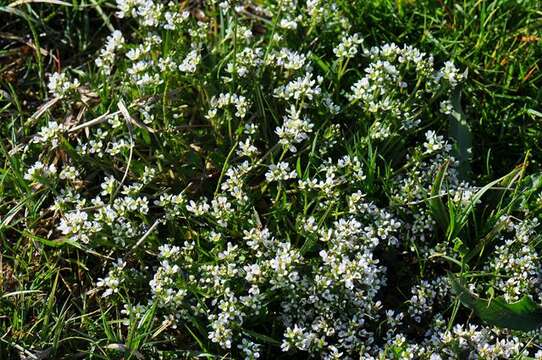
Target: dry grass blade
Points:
(42, 109)
(129, 122)
(21, 292)
(129, 118)
(100, 119)
(21, 2)
(146, 235)
(10, 36)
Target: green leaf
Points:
(486, 240)
(506, 181)
(321, 63)
(461, 132)
(53, 243)
(436, 205)
(262, 337)
(524, 315)
(530, 188)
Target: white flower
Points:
(190, 62)
(446, 107)
(348, 47)
(168, 251)
(288, 24)
(69, 173)
(250, 129)
(250, 349)
(51, 133)
(224, 99)
(39, 171)
(280, 171)
(450, 73)
(295, 338)
(302, 88)
(78, 226)
(106, 58)
(433, 142)
(113, 279)
(247, 149)
(148, 174)
(200, 208)
(60, 85)
(108, 185)
(294, 130)
(289, 60)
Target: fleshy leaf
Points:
(524, 315)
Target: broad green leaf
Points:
(524, 315)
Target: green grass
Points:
(47, 301)
(498, 43)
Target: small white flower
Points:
(190, 62)
(280, 171)
(433, 142)
(294, 130)
(60, 85)
(348, 47)
(39, 171)
(69, 173)
(51, 133)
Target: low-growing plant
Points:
(252, 180)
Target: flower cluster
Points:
(60, 85)
(275, 201)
